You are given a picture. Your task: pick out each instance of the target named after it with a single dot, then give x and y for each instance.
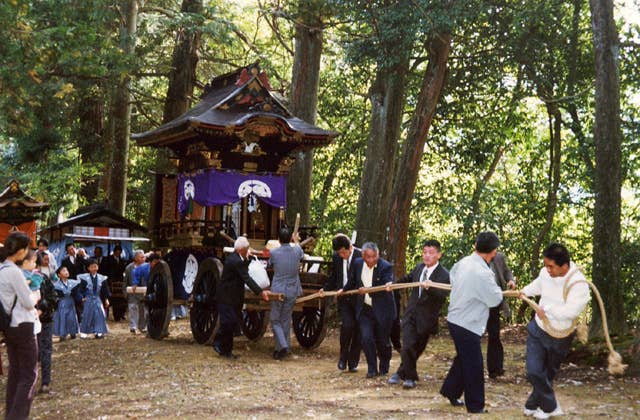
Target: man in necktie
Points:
(420, 318)
(344, 254)
(375, 312)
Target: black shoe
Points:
(284, 353)
(353, 369)
(72, 336)
(276, 354)
(456, 402)
(228, 356)
(217, 349)
(342, 365)
(494, 375)
(99, 336)
(371, 375)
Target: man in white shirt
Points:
(376, 311)
(546, 353)
(420, 318)
(473, 292)
(343, 257)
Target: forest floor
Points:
(132, 376)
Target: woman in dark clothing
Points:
(22, 346)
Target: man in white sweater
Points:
(545, 353)
(473, 292)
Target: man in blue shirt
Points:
(473, 292)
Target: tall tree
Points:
(406, 174)
(391, 41)
(607, 174)
(121, 111)
(304, 100)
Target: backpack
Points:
(5, 318)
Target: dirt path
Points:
(126, 376)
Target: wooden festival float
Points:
(232, 151)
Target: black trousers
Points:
(413, 344)
(544, 356)
(22, 349)
(466, 373)
(375, 341)
(228, 316)
(495, 352)
(349, 333)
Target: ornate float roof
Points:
(239, 123)
(18, 207)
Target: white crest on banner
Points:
(190, 272)
(254, 186)
(189, 189)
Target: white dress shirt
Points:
(367, 280)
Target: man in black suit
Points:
(113, 266)
(73, 262)
(230, 295)
(343, 257)
(375, 312)
(421, 316)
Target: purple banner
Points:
(217, 188)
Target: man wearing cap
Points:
(473, 292)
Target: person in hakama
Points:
(95, 295)
(65, 320)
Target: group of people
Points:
(42, 301)
(46, 300)
(476, 300)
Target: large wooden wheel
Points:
(159, 299)
(310, 326)
(254, 324)
(204, 313)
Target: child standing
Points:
(65, 320)
(95, 291)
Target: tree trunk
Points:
(182, 76)
(608, 174)
(304, 103)
(122, 112)
(387, 104)
(413, 148)
(90, 134)
(555, 147)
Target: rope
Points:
(615, 365)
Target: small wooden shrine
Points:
(232, 152)
(18, 212)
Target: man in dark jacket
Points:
(495, 352)
(375, 312)
(343, 257)
(47, 306)
(230, 295)
(421, 316)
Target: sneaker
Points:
(539, 414)
(529, 411)
(394, 379)
(409, 384)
